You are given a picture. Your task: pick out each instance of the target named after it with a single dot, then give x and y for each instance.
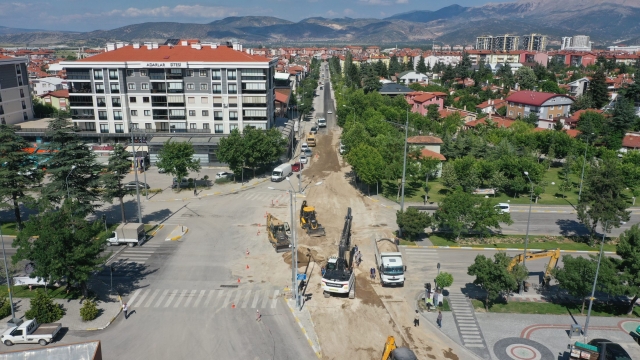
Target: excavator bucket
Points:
(316, 230)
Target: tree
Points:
(526, 78)
(551, 87)
(598, 89)
(371, 81)
(602, 200)
(576, 276)
(89, 310)
(629, 250)
(444, 280)
(394, 65)
(72, 168)
(583, 102)
(433, 112)
(231, 151)
(18, 171)
(367, 163)
(492, 276)
(623, 119)
(531, 118)
(42, 109)
(421, 67)
(176, 158)
(412, 222)
(117, 169)
(71, 252)
(43, 309)
(381, 69)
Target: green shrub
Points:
(5, 308)
(43, 309)
(154, 191)
(223, 180)
(89, 310)
(443, 280)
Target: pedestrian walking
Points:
(125, 309)
(439, 320)
(258, 316)
(195, 192)
(373, 273)
(323, 271)
(416, 319)
(355, 248)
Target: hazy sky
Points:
(86, 15)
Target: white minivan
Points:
(504, 208)
(281, 172)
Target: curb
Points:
(241, 188)
(501, 249)
(110, 321)
(316, 348)
(154, 232)
(176, 238)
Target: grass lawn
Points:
(445, 305)
(55, 292)
(515, 307)
(534, 243)
(9, 229)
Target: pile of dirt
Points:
(306, 255)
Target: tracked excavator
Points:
(277, 231)
(392, 352)
(554, 256)
(339, 277)
(309, 222)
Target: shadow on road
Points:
(571, 228)
(126, 276)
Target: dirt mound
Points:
(306, 255)
(325, 157)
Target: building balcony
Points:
(83, 117)
(102, 104)
(175, 91)
(177, 117)
(160, 117)
(188, 131)
(80, 104)
(156, 77)
(159, 104)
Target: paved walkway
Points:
(465, 320)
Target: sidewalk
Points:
(303, 318)
(187, 194)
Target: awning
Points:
(281, 76)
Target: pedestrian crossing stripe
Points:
(177, 298)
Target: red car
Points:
(297, 167)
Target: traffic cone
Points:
(238, 280)
(233, 306)
(247, 267)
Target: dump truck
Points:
(278, 233)
(131, 234)
(30, 332)
(389, 262)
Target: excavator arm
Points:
(554, 256)
(389, 346)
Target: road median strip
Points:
(499, 249)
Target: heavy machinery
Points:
(278, 233)
(392, 352)
(309, 222)
(554, 256)
(339, 277)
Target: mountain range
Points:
(605, 21)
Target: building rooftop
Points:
(534, 98)
(424, 139)
(166, 53)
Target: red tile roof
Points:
(534, 98)
(58, 94)
(282, 98)
(426, 153)
(165, 53)
(499, 121)
(631, 141)
(423, 97)
(5, 57)
(497, 103)
(424, 139)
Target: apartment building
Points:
(547, 106)
(534, 42)
(576, 43)
(484, 42)
(15, 97)
(189, 87)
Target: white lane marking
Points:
(190, 297)
(202, 292)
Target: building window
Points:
(134, 112)
(18, 70)
(115, 88)
(192, 126)
(129, 72)
(113, 74)
(90, 126)
(147, 125)
(519, 114)
(233, 127)
(101, 102)
(560, 107)
(135, 126)
(217, 88)
(144, 86)
(115, 102)
(552, 107)
(102, 115)
(131, 86)
(192, 113)
(147, 113)
(132, 99)
(143, 72)
(24, 105)
(219, 128)
(191, 100)
(203, 86)
(233, 115)
(21, 93)
(99, 88)
(231, 75)
(203, 73)
(233, 89)
(205, 126)
(550, 117)
(145, 99)
(215, 74)
(119, 128)
(25, 116)
(104, 128)
(117, 115)
(217, 115)
(97, 75)
(217, 102)
(190, 86)
(205, 112)
(204, 100)
(190, 73)
(510, 112)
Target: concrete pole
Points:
(15, 321)
(526, 238)
(595, 281)
(135, 170)
(404, 167)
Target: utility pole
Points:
(135, 170)
(595, 281)
(144, 167)
(13, 321)
(526, 238)
(404, 167)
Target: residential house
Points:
(498, 121)
(409, 77)
(546, 106)
(59, 99)
(631, 141)
(572, 121)
(420, 101)
(47, 84)
(490, 106)
(429, 147)
(578, 87)
(393, 89)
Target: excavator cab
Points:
(308, 220)
(392, 352)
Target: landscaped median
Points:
(550, 308)
(505, 242)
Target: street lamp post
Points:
(135, 171)
(13, 321)
(583, 166)
(526, 237)
(595, 281)
(404, 168)
(66, 181)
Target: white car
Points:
(343, 149)
(223, 174)
(329, 112)
(504, 208)
(304, 147)
(303, 159)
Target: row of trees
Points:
(253, 148)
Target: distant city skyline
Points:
(76, 15)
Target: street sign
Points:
(302, 277)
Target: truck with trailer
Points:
(131, 234)
(339, 277)
(389, 262)
(30, 332)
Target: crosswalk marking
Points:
(219, 297)
(209, 297)
(189, 298)
(155, 293)
(237, 299)
(180, 298)
(255, 299)
(135, 295)
(144, 296)
(247, 296)
(173, 294)
(274, 302)
(227, 299)
(265, 300)
(161, 297)
(202, 292)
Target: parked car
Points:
(295, 167)
(183, 183)
(613, 351)
(30, 332)
(329, 112)
(314, 130)
(161, 171)
(223, 174)
(132, 185)
(304, 147)
(343, 149)
(303, 159)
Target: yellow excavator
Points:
(309, 222)
(554, 256)
(277, 231)
(392, 352)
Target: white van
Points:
(504, 208)
(281, 172)
(322, 122)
